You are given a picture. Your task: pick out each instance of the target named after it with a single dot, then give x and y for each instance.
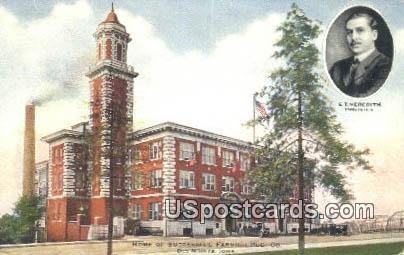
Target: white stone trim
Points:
(148, 195)
(69, 174)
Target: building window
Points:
(135, 155)
(156, 178)
(244, 162)
(80, 180)
(99, 51)
(208, 182)
(137, 180)
(137, 211)
(187, 151)
(108, 49)
(246, 187)
(228, 158)
(119, 52)
(155, 150)
(154, 211)
(57, 183)
(187, 179)
(227, 184)
(57, 154)
(208, 156)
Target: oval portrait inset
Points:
(359, 51)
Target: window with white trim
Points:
(155, 150)
(208, 156)
(187, 179)
(208, 182)
(136, 211)
(244, 162)
(246, 187)
(187, 151)
(137, 180)
(227, 184)
(156, 178)
(154, 211)
(228, 158)
(135, 155)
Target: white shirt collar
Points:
(364, 55)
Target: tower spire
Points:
(112, 6)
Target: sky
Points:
(199, 63)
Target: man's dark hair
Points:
(371, 20)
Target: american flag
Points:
(260, 107)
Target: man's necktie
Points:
(352, 72)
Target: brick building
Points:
(166, 161)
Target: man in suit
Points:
(365, 72)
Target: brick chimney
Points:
(29, 151)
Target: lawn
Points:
(371, 249)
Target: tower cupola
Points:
(112, 40)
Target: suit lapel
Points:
(366, 66)
(346, 77)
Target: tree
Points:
(20, 226)
(302, 145)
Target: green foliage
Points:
(297, 87)
(20, 226)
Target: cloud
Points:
(201, 88)
(44, 57)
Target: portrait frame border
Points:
(330, 24)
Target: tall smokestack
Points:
(29, 151)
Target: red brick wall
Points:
(145, 167)
(119, 133)
(144, 202)
(96, 129)
(57, 210)
(200, 168)
(75, 232)
(62, 218)
(84, 232)
(99, 209)
(57, 170)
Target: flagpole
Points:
(254, 106)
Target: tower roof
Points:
(112, 17)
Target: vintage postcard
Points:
(201, 127)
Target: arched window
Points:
(99, 51)
(108, 52)
(119, 52)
